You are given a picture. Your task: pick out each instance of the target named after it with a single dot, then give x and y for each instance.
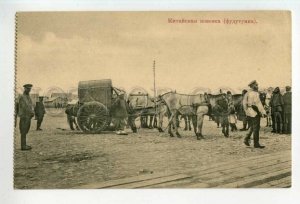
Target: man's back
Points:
(287, 100)
(276, 100)
(39, 108)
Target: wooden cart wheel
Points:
(93, 117)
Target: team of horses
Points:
(192, 108)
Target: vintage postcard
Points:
(163, 99)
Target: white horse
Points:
(195, 106)
(144, 105)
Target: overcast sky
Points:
(61, 49)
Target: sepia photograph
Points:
(153, 99)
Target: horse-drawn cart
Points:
(95, 100)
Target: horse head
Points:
(214, 98)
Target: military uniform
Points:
(277, 111)
(39, 111)
(254, 110)
(25, 112)
(287, 109)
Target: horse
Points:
(209, 108)
(237, 100)
(187, 122)
(195, 106)
(144, 106)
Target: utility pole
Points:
(154, 86)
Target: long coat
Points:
(25, 106)
(287, 100)
(118, 109)
(39, 109)
(276, 102)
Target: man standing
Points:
(277, 109)
(71, 110)
(254, 110)
(223, 103)
(216, 111)
(231, 111)
(39, 111)
(25, 114)
(287, 109)
(119, 113)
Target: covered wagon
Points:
(95, 99)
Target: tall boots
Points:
(23, 143)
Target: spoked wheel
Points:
(93, 117)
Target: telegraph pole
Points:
(154, 86)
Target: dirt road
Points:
(62, 158)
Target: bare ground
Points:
(62, 158)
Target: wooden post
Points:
(154, 86)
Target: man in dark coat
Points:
(287, 109)
(223, 103)
(25, 113)
(277, 110)
(71, 111)
(216, 111)
(39, 112)
(119, 113)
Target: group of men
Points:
(281, 110)
(26, 113)
(252, 109)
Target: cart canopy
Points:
(95, 90)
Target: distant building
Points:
(61, 95)
(65, 96)
(56, 102)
